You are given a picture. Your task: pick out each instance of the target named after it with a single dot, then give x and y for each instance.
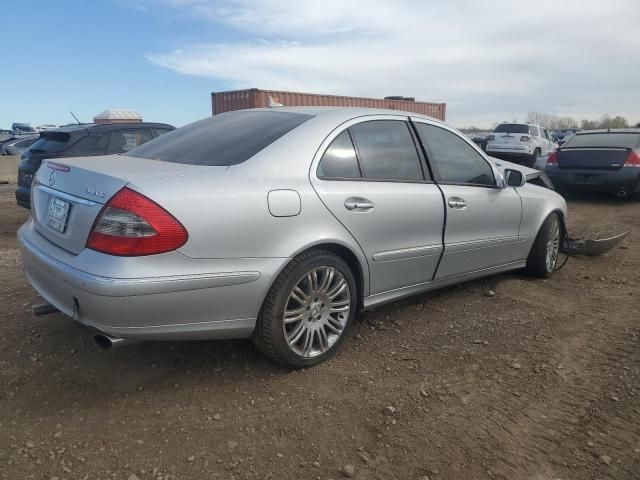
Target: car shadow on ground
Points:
(587, 198)
(86, 374)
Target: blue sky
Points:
(81, 56)
(487, 60)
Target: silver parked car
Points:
(279, 224)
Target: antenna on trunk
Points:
(76, 118)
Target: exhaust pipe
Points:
(107, 341)
(44, 309)
(622, 193)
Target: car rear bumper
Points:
(626, 178)
(515, 156)
(183, 305)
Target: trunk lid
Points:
(592, 158)
(508, 138)
(69, 193)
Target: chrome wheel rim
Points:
(316, 311)
(553, 245)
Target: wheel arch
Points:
(553, 211)
(357, 264)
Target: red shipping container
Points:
(256, 98)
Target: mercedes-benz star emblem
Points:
(52, 177)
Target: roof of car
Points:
(346, 112)
(107, 127)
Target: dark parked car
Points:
(559, 135)
(83, 140)
(598, 161)
(480, 139)
(22, 128)
(17, 145)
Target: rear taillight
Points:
(132, 225)
(633, 160)
(491, 137)
(524, 138)
(552, 159)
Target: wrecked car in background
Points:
(605, 161)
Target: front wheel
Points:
(544, 252)
(308, 310)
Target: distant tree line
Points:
(556, 122)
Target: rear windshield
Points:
(511, 128)
(226, 139)
(51, 142)
(616, 140)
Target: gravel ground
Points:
(503, 378)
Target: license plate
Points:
(58, 213)
(588, 179)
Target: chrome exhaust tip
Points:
(107, 341)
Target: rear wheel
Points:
(534, 158)
(308, 310)
(544, 253)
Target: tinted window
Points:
(455, 159)
(160, 131)
(125, 140)
(339, 160)
(534, 131)
(386, 150)
(511, 128)
(226, 139)
(51, 142)
(621, 140)
(90, 145)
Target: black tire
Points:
(537, 264)
(269, 334)
(534, 158)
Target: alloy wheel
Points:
(316, 311)
(553, 246)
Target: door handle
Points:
(457, 203)
(358, 204)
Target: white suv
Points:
(521, 143)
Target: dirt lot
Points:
(540, 381)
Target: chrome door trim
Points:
(405, 253)
(482, 243)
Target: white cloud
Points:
(485, 59)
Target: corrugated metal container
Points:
(256, 98)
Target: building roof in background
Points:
(118, 114)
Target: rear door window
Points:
(125, 140)
(89, 146)
(226, 139)
(339, 160)
(455, 160)
(387, 151)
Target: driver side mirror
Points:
(514, 178)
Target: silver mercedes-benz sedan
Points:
(279, 224)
